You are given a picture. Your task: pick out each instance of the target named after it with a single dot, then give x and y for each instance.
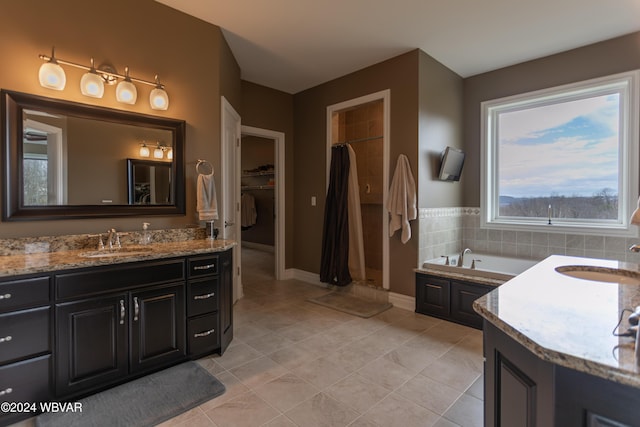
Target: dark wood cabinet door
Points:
(462, 297)
(91, 347)
(432, 296)
(157, 319)
(226, 299)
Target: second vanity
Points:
(551, 357)
(72, 325)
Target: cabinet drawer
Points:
(462, 297)
(202, 266)
(118, 277)
(26, 381)
(24, 293)
(203, 334)
(202, 296)
(24, 333)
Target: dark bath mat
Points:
(351, 305)
(146, 401)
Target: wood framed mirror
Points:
(66, 160)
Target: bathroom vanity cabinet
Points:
(73, 332)
(449, 299)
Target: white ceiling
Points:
(292, 45)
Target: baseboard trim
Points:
(304, 276)
(404, 302)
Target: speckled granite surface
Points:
(466, 275)
(37, 255)
(566, 320)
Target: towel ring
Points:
(202, 166)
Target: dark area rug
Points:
(351, 305)
(146, 401)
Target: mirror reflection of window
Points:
(43, 162)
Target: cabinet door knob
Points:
(5, 296)
(136, 309)
(122, 312)
(6, 339)
(205, 296)
(204, 334)
(6, 391)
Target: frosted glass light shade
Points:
(92, 85)
(170, 154)
(158, 153)
(52, 76)
(635, 216)
(126, 92)
(144, 151)
(159, 99)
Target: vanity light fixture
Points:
(170, 154)
(158, 98)
(144, 150)
(635, 216)
(52, 76)
(126, 91)
(158, 152)
(91, 83)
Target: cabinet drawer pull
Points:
(136, 309)
(6, 391)
(205, 296)
(204, 267)
(5, 296)
(5, 339)
(122, 312)
(204, 334)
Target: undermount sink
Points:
(105, 253)
(600, 274)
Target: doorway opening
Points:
(262, 201)
(363, 124)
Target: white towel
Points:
(248, 213)
(402, 199)
(206, 202)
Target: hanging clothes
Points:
(334, 261)
(248, 212)
(356, 238)
(402, 199)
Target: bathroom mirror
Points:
(69, 160)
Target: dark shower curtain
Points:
(334, 262)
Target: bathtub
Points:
(490, 266)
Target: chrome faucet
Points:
(461, 258)
(113, 239)
(635, 248)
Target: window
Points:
(564, 157)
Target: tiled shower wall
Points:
(449, 230)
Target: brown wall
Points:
(600, 59)
(267, 108)
(400, 75)
(190, 56)
(440, 125)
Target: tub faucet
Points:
(635, 248)
(461, 258)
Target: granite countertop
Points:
(465, 274)
(566, 320)
(29, 263)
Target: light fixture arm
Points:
(57, 60)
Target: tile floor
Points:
(295, 363)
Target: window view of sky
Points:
(567, 149)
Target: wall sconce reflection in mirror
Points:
(52, 76)
(158, 152)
